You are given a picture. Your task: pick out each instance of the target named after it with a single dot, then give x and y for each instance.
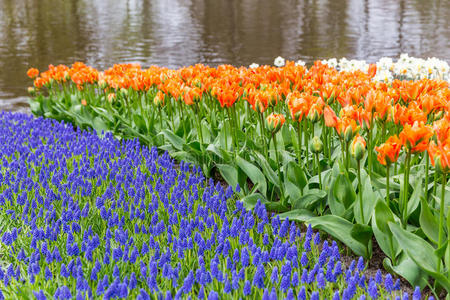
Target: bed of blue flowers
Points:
(89, 217)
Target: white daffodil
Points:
(300, 63)
(279, 61)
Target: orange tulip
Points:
(347, 128)
(331, 120)
(159, 99)
(315, 110)
(416, 137)
(32, 73)
(440, 155)
(442, 128)
(274, 122)
(372, 70)
(389, 151)
(111, 97)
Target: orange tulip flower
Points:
(440, 155)
(442, 128)
(389, 151)
(32, 73)
(159, 99)
(274, 122)
(347, 128)
(372, 70)
(416, 137)
(331, 120)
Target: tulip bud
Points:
(159, 99)
(124, 92)
(259, 106)
(298, 115)
(316, 145)
(330, 99)
(348, 133)
(272, 101)
(439, 115)
(111, 97)
(274, 122)
(102, 84)
(83, 102)
(313, 115)
(438, 164)
(31, 91)
(358, 148)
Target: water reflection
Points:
(174, 33)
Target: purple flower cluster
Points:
(85, 216)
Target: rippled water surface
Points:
(176, 33)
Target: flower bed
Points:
(340, 151)
(93, 217)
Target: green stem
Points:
(169, 106)
(305, 140)
(236, 126)
(347, 154)
(306, 144)
(448, 241)
(427, 167)
(324, 137)
(181, 117)
(231, 129)
(361, 207)
(434, 188)
(369, 149)
(299, 136)
(199, 127)
(280, 180)
(441, 218)
(160, 122)
(404, 206)
(387, 185)
(318, 170)
(263, 135)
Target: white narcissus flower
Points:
(384, 76)
(332, 62)
(279, 62)
(300, 63)
(253, 66)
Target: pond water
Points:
(176, 33)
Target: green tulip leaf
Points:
(267, 169)
(229, 173)
(340, 229)
(251, 200)
(381, 216)
(301, 215)
(176, 141)
(309, 199)
(255, 175)
(407, 269)
(428, 222)
(422, 253)
(369, 199)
